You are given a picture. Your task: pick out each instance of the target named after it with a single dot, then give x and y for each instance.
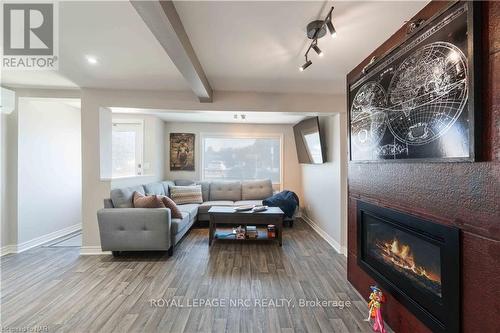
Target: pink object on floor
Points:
(378, 324)
(375, 309)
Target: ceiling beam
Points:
(162, 19)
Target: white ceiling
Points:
(219, 116)
(242, 46)
(259, 45)
(129, 56)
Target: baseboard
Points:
(92, 251)
(18, 248)
(333, 243)
(46, 238)
(4, 250)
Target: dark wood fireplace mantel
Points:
(464, 195)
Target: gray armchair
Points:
(135, 229)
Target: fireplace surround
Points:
(415, 260)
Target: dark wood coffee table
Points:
(229, 216)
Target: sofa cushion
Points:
(166, 186)
(205, 189)
(186, 194)
(179, 224)
(192, 209)
(256, 189)
(147, 201)
(248, 202)
(123, 197)
(229, 190)
(184, 182)
(154, 188)
(205, 186)
(175, 213)
(204, 207)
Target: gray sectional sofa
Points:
(124, 228)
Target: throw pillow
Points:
(186, 194)
(175, 213)
(147, 201)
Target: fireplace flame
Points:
(401, 256)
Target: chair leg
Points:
(170, 251)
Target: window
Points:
(127, 144)
(239, 158)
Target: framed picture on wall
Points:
(417, 102)
(182, 151)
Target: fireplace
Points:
(415, 260)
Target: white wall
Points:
(7, 231)
(291, 167)
(4, 227)
(95, 188)
(9, 181)
(153, 154)
(49, 168)
(325, 185)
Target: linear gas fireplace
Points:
(416, 260)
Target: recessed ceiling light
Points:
(92, 60)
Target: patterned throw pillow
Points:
(186, 194)
(175, 213)
(147, 201)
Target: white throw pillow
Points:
(186, 194)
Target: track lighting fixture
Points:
(331, 28)
(305, 65)
(315, 30)
(317, 50)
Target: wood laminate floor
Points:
(57, 290)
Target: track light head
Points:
(331, 28)
(317, 50)
(305, 65)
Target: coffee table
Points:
(232, 217)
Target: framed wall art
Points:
(182, 151)
(417, 102)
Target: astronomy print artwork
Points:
(417, 101)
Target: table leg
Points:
(280, 232)
(210, 230)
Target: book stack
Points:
(239, 232)
(252, 232)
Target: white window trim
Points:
(279, 136)
(139, 122)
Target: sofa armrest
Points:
(134, 229)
